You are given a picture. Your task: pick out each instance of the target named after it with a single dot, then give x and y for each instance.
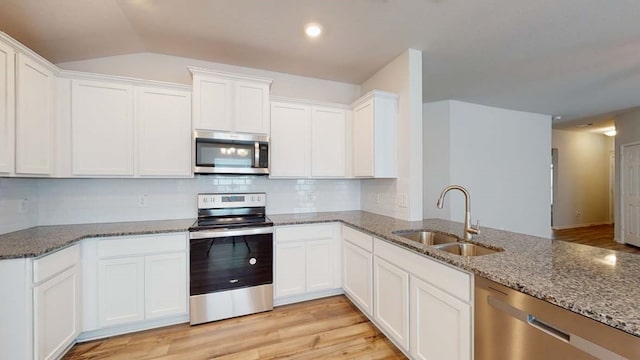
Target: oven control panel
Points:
(223, 201)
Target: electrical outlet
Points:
(142, 201)
(23, 206)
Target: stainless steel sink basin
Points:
(466, 249)
(428, 237)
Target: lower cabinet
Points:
(307, 262)
(391, 299)
(56, 302)
(134, 283)
(441, 323)
(357, 264)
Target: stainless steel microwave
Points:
(230, 153)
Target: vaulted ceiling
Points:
(574, 58)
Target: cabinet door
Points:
(163, 118)
(319, 255)
(34, 118)
(102, 128)
(357, 275)
(251, 107)
(120, 291)
(56, 318)
(391, 299)
(7, 108)
(165, 285)
(363, 140)
(290, 269)
(212, 104)
(328, 143)
(290, 148)
(440, 324)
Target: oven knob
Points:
(253, 261)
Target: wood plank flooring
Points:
(600, 236)
(329, 328)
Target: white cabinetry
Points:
(56, 302)
(133, 283)
(122, 129)
(230, 102)
(437, 324)
(308, 139)
(35, 85)
(7, 108)
(357, 264)
(391, 311)
(307, 262)
(102, 128)
(375, 135)
(163, 118)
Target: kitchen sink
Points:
(466, 249)
(428, 237)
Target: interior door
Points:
(631, 194)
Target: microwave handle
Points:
(256, 155)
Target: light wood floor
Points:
(600, 236)
(330, 328)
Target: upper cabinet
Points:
(375, 151)
(35, 116)
(102, 128)
(7, 108)
(308, 139)
(230, 102)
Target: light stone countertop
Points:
(600, 284)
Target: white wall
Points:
(169, 68)
(14, 216)
(402, 76)
(628, 128)
(501, 156)
(582, 189)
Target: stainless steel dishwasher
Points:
(510, 325)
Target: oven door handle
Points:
(218, 233)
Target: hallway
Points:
(599, 236)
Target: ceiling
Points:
(575, 58)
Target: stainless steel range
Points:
(231, 257)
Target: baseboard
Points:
(306, 297)
(576, 226)
(129, 328)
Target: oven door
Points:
(230, 259)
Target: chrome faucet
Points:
(469, 230)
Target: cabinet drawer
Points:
(442, 276)
(305, 232)
(141, 245)
(358, 238)
(50, 265)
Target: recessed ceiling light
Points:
(313, 30)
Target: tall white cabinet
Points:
(7, 108)
(375, 152)
(35, 116)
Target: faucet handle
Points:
(476, 229)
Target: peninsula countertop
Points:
(597, 283)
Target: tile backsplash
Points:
(70, 201)
(18, 204)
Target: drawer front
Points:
(358, 238)
(442, 276)
(306, 232)
(50, 265)
(141, 245)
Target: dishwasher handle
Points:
(549, 329)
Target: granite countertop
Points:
(597, 283)
(600, 284)
(40, 240)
